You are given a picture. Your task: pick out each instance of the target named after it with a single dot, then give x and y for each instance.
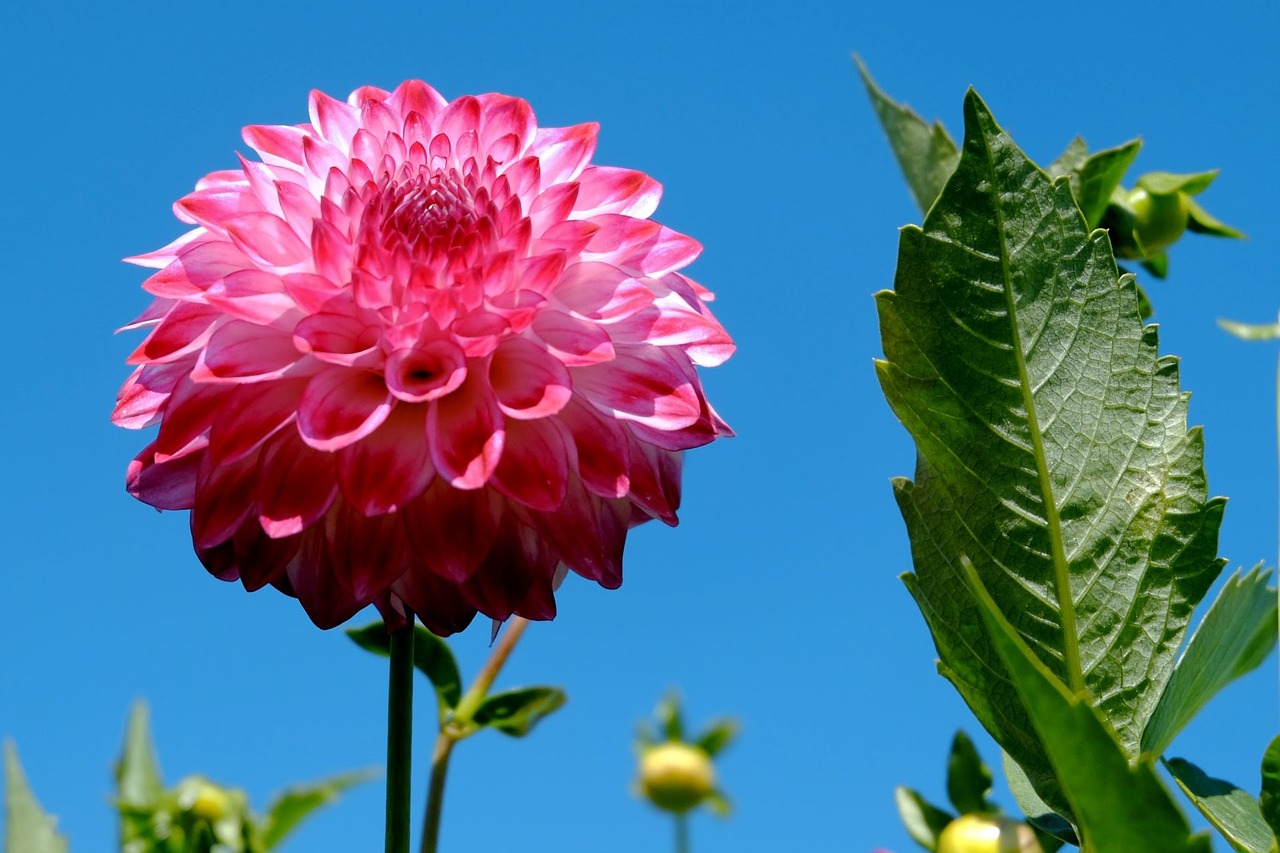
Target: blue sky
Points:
(777, 598)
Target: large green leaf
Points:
(1118, 807)
(28, 828)
(925, 152)
(1235, 636)
(294, 805)
(1269, 798)
(1052, 450)
(431, 656)
(1232, 812)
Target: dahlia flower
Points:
(422, 355)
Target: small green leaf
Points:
(1269, 799)
(717, 736)
(926, 154)
(1234, 637)
(138, 782)
(1044, 820)
(516, 712)
(293, 805)
(968, 779)
(431, 656)
(1157, 265)
(1251, 332)
(718, 804)
(1199, 221)
(1167, 183)
(670, 720)
(1100, 176)
(1070, 161)
(28, 828)
(1118, 808)
(923, 820)
(1232, 811)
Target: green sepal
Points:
(716, 736)
(1250, 331)
(968, 778)
(1231, 811)
(431, 656)
(718, 803)
(516, 712)
(923, 820)
(1234, 637)
(28, 827)
(1157, 264)
(1199, 221)
(670, 719)
(293, 805)
(1099, 176)
(1168, 183)
(925, 153)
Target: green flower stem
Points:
(682, 832)
(435, 792)
(459, 725)
(399, 739)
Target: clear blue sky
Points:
(777, 598)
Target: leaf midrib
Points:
(1062, 576)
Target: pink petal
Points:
(215, 206)
(295, 486)
(310, 292)
(224, 499)
(671, 322)
(344, 339)
(182, 331)
(144, 395)
(250, 414)
(573, 341)
(312, 577)
(602, 292)
(564, 151)
(367, 554)
(459, 117)
(437, 603)
(427, 371)
(267, 239)
(466, 434)
(528, 381)
(603, 453)
(391, 466)
(644, 384)
(336, 121)
(517, 560)
(341, 406)
(250, 556)
(655, 481)
(504, 116)
(641, 245)
(589, 533)
(277, 144)
(239, 351)
(166, 255)
(414, 96)
(253, 296)
(450, 529)
(164, 485)
(188, 413)
(552, 206)
(534, 467)
(608, 189)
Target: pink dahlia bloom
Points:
(422, 355)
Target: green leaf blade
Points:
(923, 820)
(294, 805)
(516, 712)
(1052, 448)
(924, 152)
(968, 778)
(1235, 636)
(28, 827)
(431, 656)
(1231, 811)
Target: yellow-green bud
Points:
(676, 776)
(973, 833)
(1160, 219)
(203, 799)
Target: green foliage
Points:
(1053, 452)
(1094, 177)
(1235, 637)
(431, 656)
(516, 712)
(28, 828)
(1230, 810)
(923, 820)
(690, 767)
(199, 816)
(968, 778)
(1118, 807)
(1269, 799)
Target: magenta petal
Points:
(313, 579)
(276, 143)
(609, 189)
(267, 239)
(604, 460)
(573, 341)
(240, 351)
(164, 485)
(337, 121)
(655, 481)
(142, 399)
(426, 371)
(414, 96)
(367, 553)
(645, 384)
(182, 331)
(589, 532)
(295, 485)
(213, 208)
(641, 245)
(250, 414)
(528, 381)
(341, 406)
(250, 556)
(451, 529)
(188, 414)
(389, 467)
(466, 434)
(437, 602)
(534, 466)
(224, 499)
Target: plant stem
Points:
(459, 726)
(435, 792)
(479, 688)
(682, 833)
(399, 739)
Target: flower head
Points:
(421, 355)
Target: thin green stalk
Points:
(435, 792)
(460, 725)
(682, 833)
(399, 739)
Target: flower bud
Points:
(973, 833)
(676, 776)
(203, 799)
(1159, 219)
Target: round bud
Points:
(676, 776)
